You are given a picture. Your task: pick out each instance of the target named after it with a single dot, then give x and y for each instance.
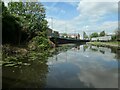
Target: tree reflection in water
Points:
(114, 50)
(65, 71)
(94, 48)
(32, 76)
(102, 51)
(117, 52)
(85, 47)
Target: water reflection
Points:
(66, 77)
(96, 67)
(93, 48)
(33, 76)
(85, 47)
(70, 66)
(102, 51)
(117, 52)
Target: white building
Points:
(104, 38)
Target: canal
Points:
(74, 66)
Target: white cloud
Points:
(94, 11)
(91, 13)
(63, 26)
(109, 26)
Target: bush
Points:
(39, 43)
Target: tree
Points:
(102, 33)
(117, 34)
(85, 36)
(95, 34)
(114, 37)
(10, 27)
(56, 34)
(64, 35)
(32, 17)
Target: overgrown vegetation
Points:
(23, 21)
(24, 31)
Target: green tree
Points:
(95, 34)
(32, 16)
(117, 34)
(56, 34)
(114, 37)
(64, 35)
(10, 27)
(102, 33)
(85, 36)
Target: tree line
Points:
(23, 21)
(95, 34)
(115, 36)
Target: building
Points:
(56, 34)
(104, 38)
(51, 33)
(74, 36)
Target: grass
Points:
(112, 43)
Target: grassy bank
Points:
(109, 44)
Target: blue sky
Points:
(76, 17)
(84, 15)
(61, 10)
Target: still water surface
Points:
(80, 66)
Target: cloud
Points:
(95, 11)
(97, 7)
(72, 3)
(109, 26)
(63, 26)
(91, 14)
(91, 18)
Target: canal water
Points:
(75, 66)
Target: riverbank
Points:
(108, 44)
(16, 55)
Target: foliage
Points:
(33, 14)
(39, 43)
(23, 23)
(56, 34)
(102, 33)
(85, 36)
(95, 34)
(117, 34)
(11, 27)
(14, 56)
(114, 37)
(64, 35)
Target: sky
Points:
(76, 17)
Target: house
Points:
(51, 33)
(74, 36)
